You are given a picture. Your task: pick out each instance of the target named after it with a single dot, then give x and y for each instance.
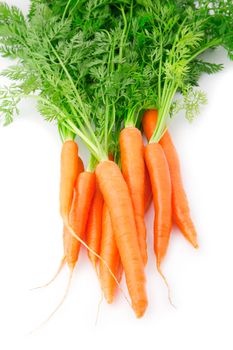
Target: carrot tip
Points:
(194, 243)
(109, 299)
(62, 263)
(58, 306)
(98, 309)
(191, 238)
(140, 308)
(167, 285)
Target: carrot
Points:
(116, 196)
(148, 196)
(94, 225)
(149, 122)
(161, 186)
(133, 169)
(83, 194)
(110, 254)
(180, 206)
(77, 220)
(66, 238)
(69, 173)
(63, 260)
(66, 235)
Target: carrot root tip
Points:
(58, 306)
(98, 308)
(167, 285)
(194, 243)
(140, 308)
(62, 264)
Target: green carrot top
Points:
(94, 65)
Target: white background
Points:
(31, 242)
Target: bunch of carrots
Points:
(88, 205)
(105, 72)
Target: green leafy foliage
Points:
(190, 102)
(197, 67)
(94, 65)
(10, 97)
(76, 73)
(171, 36)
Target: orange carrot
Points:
(83, 194)
(180, 207)
(133, 169)
(149, 122)
(161, 186)
(65, 236)
(69, 173)
(94, 226)
(148, 197)
(82, 197)
(116, 196)
(110, 254)
(71, 167)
